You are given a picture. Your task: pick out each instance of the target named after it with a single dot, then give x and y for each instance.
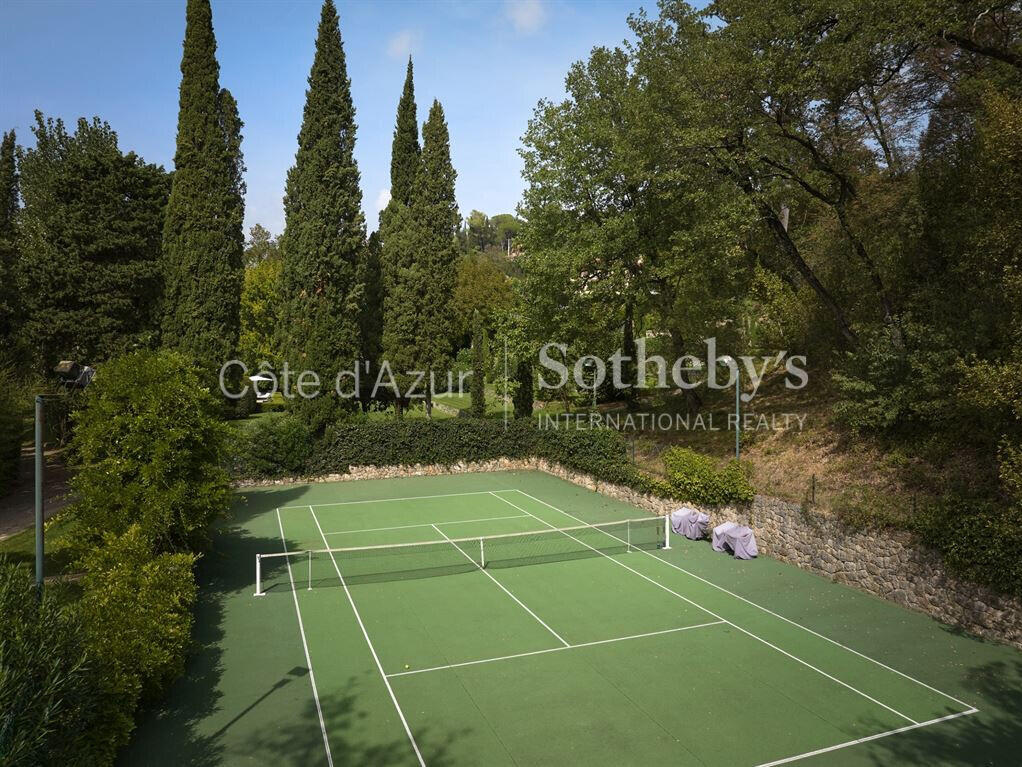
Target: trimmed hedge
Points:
(273, 449)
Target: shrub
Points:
(695, 477)
(11, 432)
(979, 541)
(152, 451)
(136, 616)
(276, 446)
(47, 678)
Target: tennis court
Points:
(485, 619)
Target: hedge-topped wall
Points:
(282, 447)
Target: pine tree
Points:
(202, 235)
(435, 211)
(324, 236)
(478, 366)
(8, 241)
(402, 276)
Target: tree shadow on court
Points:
(351, 738)
(169, 730)
(991, 737)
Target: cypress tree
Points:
(8, 240)
(523, 390)
(436, 246)
(478, 366)
(324, 235)
(371, 278)
(404, 154)
(402, 276)
(202, 235)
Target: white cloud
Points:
(404, 43)
(526, 15)
(382, 199)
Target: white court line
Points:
(776, 615)
(388, 500)
(553, 649)
(502, 588)
(710, 612)
(868, 738)
(305, 645)
(376, 658)
(427, 524)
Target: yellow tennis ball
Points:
(407, 666)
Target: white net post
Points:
(259, 575)
(667, 531)
(310, 569)
(482, 554)
(628, 536)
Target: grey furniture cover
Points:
(741, 541)
(689, 522)
(718, 535)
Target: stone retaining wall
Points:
(888, 564)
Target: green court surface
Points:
(592, 646)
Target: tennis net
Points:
(447, 556)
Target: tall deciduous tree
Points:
(437, 220)
(202, 234)
(8, 240)
(324, 236)
(90, 244)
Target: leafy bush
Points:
(136, 616)
(47, 677)
(276, 446)
(695, 477)
(10, 433)
(152, 451)
(979, 541)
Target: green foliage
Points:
(979, 541)
(371, 277)
(481, 286)
(324, 237)
(260, 300)
(276, 447)
(136, 620)
(402, 275)
(405, 151)
(48, 678)
(89, 244)
(151, 451)
(695, 477)
(12, 430)
(478, 366)
(522, 396)
(202, 232)
(436, 213)
(9, 193)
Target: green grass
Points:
(748, 688)
(58, 534)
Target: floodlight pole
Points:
(738, 411)
(39, 468)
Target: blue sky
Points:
(487, 62)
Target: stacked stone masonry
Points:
(888, 564)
